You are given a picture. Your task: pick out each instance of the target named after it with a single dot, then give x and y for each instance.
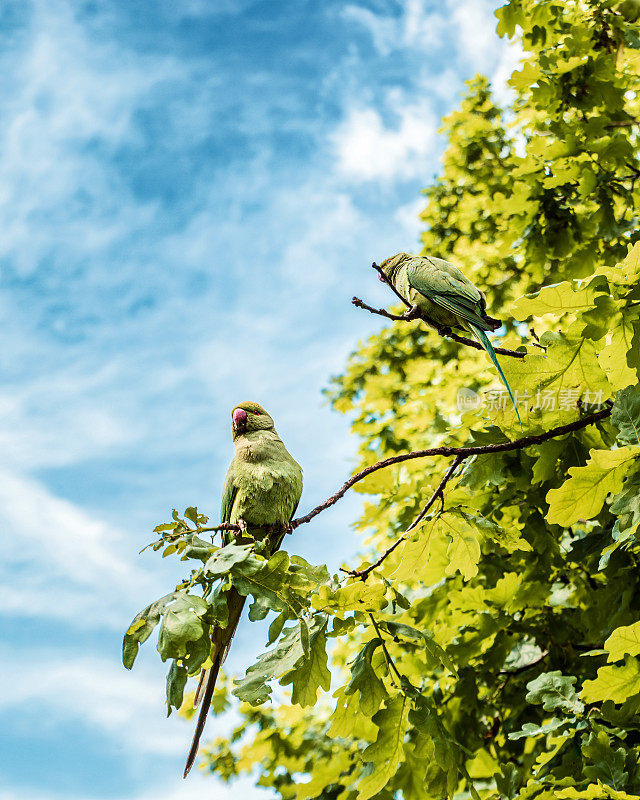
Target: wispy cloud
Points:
(78, 567)
(389, 134)
(416, 25)
(367, 149)
(72, 100)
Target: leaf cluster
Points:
(283, 584)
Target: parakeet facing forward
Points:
(444, 295)
(261, 492)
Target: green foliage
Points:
(553, 690)
(381, 758)
(365, 680)
(282, 584)
(626, 415)
(494, 653)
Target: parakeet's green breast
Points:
(268, 481)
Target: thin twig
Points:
(500, 447)
(385, 279)
(438, 493)
(363, 574)
(387, 654)
(413, 312)
(358, 303)
(223, 526)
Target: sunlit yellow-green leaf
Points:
(582, 496)
(595, 791)
(385, 753)
(623, 641)
(562, 298)
(464, 550)
(627, 272)
(356, 596)
(614, 683)
(613, 356)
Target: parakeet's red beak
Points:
(239, 420)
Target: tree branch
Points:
(499, 447)
(364, 573)
(460, 454)
(223, 526)
(413, 312)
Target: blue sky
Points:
(190, 193)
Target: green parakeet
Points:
(440, 291)
(261, 493)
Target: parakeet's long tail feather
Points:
(204, 675)
(484, 341)
(210, 685)
(202, 685)
(221, 643)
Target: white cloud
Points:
(475, 37)
(458, 36)
(367, 149)
(95, 692)
(56, 417)
(408, 217)
(510, 56)
(383, 29)
(50, 689)
(59, 562)
(72, 98)
(458, 30)
(394, 138)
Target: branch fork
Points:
(363, 574)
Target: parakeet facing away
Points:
(443, 294)
(261, 493)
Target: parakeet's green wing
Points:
(229, 492)
(278, 542)
(444, 284)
